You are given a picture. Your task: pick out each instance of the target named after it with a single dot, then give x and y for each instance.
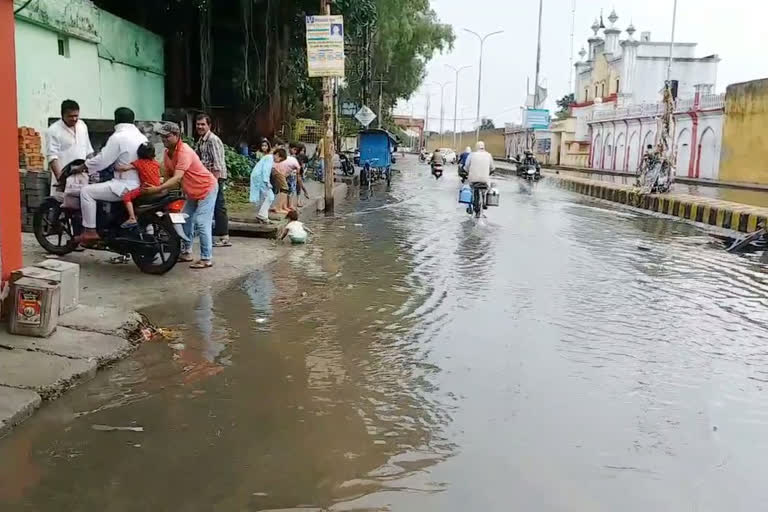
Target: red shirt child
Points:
(149, 175)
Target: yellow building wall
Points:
(494, 142)
(744, 154)
(602, 73)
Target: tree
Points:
(487, 124)
(564, 105)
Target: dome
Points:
(613, 17)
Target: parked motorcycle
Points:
(154, 245)
(346, 166)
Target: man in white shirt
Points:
(67, 140)
(120, 149)
(479, 165)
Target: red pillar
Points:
(10, 201)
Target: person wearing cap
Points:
(183, 166)
(479, 165)
(121, 148)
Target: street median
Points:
(723, 214)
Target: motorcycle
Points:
(422, 158)
(154, 245)
(437, 170)
(346, 166)
(463, 173)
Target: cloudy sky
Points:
(734, 30)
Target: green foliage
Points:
(238, 166)
(564, 106)
(487, 124)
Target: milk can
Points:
(492, 197)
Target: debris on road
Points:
(107, 428)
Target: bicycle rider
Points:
(480, 167)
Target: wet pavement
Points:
(559, 355)
(723, 193)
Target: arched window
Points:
(602, 90)
(618, 83)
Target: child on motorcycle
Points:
(149, 174)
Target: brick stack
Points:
(35, 182)
(35, 186)
(30, 150)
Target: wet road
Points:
(414, 359)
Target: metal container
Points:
(35, 305)
(492, 197)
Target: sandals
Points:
(129, 225)
(186, 257)
(222, 243)
(199, 265)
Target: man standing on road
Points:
(67, 140)
(210, 149)
(120, 149)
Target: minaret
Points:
(612, 34)
(594, 40)
(629, 62)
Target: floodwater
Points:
(559, 355)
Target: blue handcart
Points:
(376, 149)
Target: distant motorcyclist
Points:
(437, 158)
(463, 157)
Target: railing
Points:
(712, 101)
(707, 102)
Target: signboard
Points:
(325, 46)
(536, 118)
(365, 116)
(349, 109)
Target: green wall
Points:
(111, 63)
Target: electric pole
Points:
(328, 143)
(538, 59)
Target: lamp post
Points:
(456, 99)
(442, 108)
(480, 73)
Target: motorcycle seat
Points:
(148, 201)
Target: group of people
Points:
(126, 168)
(279, 174)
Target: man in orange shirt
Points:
(182, 165)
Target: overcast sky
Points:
(734, 30)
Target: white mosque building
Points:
(617, 89)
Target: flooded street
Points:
(559, 355)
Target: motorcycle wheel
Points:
(53, 228)
(164, 254)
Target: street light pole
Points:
(456, 100)
(480, 73)
(672, 42)
(442, 108)
(538, 59)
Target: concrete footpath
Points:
(36, 369)
(714, 212)
(107, 327)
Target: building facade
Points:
(618, 91)
(73, 50)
